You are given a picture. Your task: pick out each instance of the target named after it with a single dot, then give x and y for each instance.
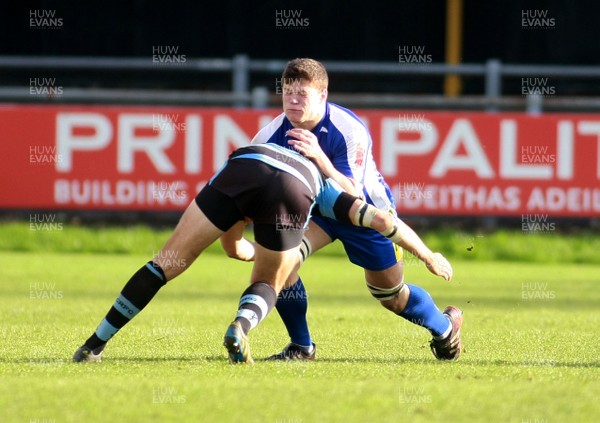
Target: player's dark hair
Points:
(308, 69)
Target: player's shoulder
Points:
(346, 121)
(268, 131)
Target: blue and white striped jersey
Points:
(346, 141)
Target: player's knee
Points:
(172, 263)
(170, 270)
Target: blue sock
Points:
(292, 304)
(422, 311)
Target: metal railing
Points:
(241, 94)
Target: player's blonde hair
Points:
(308, 69)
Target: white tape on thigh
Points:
(384, 294)
(305, 249)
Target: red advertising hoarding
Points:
(156, 158)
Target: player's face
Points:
(303, 103)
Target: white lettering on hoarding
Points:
(457, 152)
(123, 192)
(228, 136)
(128, 142)
(555, 199)
(153, 146)
(461, 197)
(509, 168)
(67, 141)
(392, 146)
(193, 144)
(564, 159)
(461, 134)
(592, 128)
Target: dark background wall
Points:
(340, 30)
(344, 30)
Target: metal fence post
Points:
(534, 104)
(493, 84)
(240, 79)
(260, 97)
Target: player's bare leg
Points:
(314, 239)
(192, 235)
(292, 302)
(273, 267)
(271, 270)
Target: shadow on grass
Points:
(462, 361)
(531, 363)
(49, 361)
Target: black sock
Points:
(136, 294)
(256, 302)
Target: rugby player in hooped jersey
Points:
(337, 141)
(264, 183)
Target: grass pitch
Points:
(530, 335)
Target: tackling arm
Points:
(358, 212)
(306, 143)
(235, 245)
(327, 169)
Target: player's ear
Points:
(324, 93)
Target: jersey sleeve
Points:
(349, 157)
(266, 133)
(327, 198)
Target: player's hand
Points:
(439, 266)
(305, 142)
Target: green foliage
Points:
(70, 238)
(503, 245)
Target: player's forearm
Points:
(410, 241)
(436, 263)
(326, 168)
(366, 215)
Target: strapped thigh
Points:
(384, 294)
(305, 249)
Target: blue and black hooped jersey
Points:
(286, 160)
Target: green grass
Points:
(502, 245)
(526, 360)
